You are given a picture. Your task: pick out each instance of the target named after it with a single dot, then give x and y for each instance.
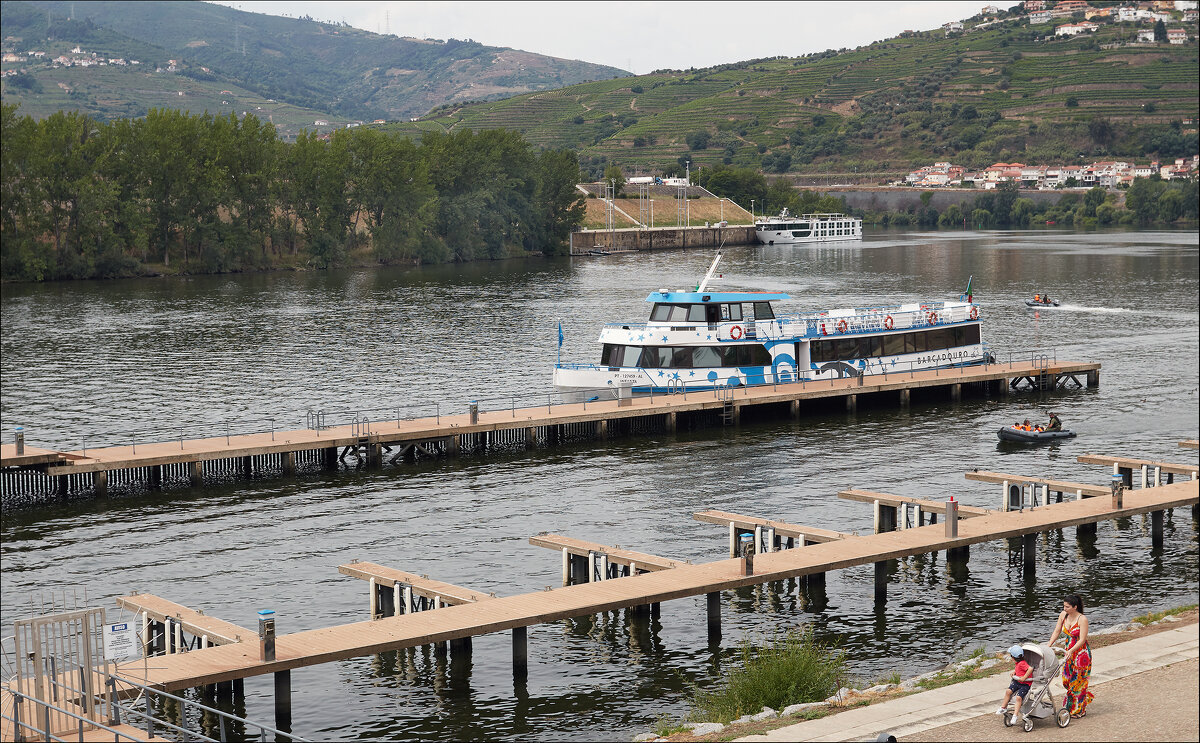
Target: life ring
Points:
(888, 323)
(735, 332)
(974, 313)
(841, 326)
(932, 318)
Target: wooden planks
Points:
(617, 555)
(426, 429)
(312, 647)
(1061, 486)
(928, 506)
(1137, 464)
(32, 456)
(1190, 444)
(811, 534)
(193, 622)
(446, 593)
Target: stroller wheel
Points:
(1063, 718)
(1009, 720)
(1028, 726)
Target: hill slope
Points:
(1004, 92)
(323, 67)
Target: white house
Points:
(1072, 29)
(1146, 36)
(953, 27)
(1186, 5)
(1041, 16)
(990, 10)
(1177, 35)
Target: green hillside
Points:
(343, 71)
(1004, 92)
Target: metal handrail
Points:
(20, 725)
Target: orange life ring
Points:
(932, 318)
(735, 332)
(888, 323)
(841, 326)
(974, 313)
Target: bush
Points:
(792, 669)
(1072, 102)
(637, 89)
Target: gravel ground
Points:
(1158, 705)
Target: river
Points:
(101, 362)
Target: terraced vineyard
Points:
(990, 94)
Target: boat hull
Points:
(1031, 303)
(1008, 433)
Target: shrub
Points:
(637, 89)
(792, 669)
(1072, 102)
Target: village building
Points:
(1041, 16)
(1177, 35)
(1073, 29)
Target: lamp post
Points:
(722, 208)
(751, 210)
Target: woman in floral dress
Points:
(1077, 666)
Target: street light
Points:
(751, 210)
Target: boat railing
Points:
(866, 320)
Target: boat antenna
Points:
(708, 276)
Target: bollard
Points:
(952, 517)
(1118, 491)
(266, 635)
(747, 554)
(473, 407)
(20, 436)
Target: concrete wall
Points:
(661, 238)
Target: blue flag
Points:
(560, 335)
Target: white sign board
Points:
(120, 641)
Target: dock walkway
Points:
(312, 647)
(50, 473)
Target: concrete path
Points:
(908, 718)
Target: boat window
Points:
(940, 338)
(706, 357)
(893, 345)
(695, 313)
(746, 355)
(679, 312)
(735, 312)
(660, 313)
(802, 233)
(681, 357)
(846, 349)
(655, 357)
(966, 335)
(762, 311)
(607, 354)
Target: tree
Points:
(1160, 31)
(697, 140)
(614, 176)
(1072, 102)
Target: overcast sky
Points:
(641, 36)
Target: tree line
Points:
(179, 192)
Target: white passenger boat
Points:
(705, 339)
(807, 228)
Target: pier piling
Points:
(520, 649)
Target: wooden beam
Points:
(1136, 464)
(421, 586)
(782, 528)
(645, 562)
(1061, 486)
(928, 506)
(193, 621)
(1190, 444)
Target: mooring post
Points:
(531, 438)
(1029, 555)
(288, 458)
(1156, 529)
(671, 422)
(520, 641)
(247, 467)
(602, 430)
(881, 582)
(283, 700)
(156, 477)
(905, 398)
(714, 618)
(956, 392)
(331, 457)
(196, 473)
(100, 483)
(795, 405)
(851, 403)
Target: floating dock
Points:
(611, 579)
(36, 474)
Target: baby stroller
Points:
(1039, 703)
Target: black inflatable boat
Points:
(1031, 303)
(1008, 433)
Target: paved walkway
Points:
(966, 711)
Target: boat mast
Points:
(708, 276)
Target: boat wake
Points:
(1102, 310)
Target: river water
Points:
(103, 362)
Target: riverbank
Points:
(885, 706)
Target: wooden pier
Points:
(458, 614)
(47, 474)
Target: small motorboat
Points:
(599, 251)
(1041, 303)
(1011, 433)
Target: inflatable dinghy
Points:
(1031, 303)
(1008, 433)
